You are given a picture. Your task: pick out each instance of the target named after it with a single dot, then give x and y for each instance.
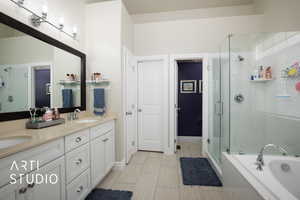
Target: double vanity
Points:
(57, 163)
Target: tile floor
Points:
(155, 176)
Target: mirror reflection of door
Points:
(42, 87)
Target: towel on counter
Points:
(99, 101)
(67, 95)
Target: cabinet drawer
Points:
(77, 139)
(77, 161)
(80, 187)
(101, 129)
(43, 154)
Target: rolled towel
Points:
(67, 95)
(99, 101)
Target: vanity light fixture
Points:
(44, 12)
(61, 23)
(20, 2)
(37, 19)
(74, 32)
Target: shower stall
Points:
(254, 94)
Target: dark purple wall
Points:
(190, 114)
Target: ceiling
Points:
(153, 6)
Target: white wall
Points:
(15, 50)
(279, 15)
(72, 12)
(190, 36)
(103, 44)
(194, 14)
(127, 29)
(65, 63)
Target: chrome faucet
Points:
(260, 158)
(74, 115)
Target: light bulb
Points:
(20, 2)
(75, 30)
(61, 23)
(44, 11)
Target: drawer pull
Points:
(105, 140)
(80, 189)
(23, 190)
(31, 185)
(79, 161)
(78, 139)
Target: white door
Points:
(151, 105)
(130, 104)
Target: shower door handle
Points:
(218, 108)
(222, 108)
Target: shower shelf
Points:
(261, 80)
(97, 82)
(65, 82)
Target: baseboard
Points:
(120, 165)
(214, 164)
(189, 139)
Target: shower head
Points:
(240, 58)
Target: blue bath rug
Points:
(198, 171)
(101, 194)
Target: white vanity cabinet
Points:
(97, 160)
(51, 190)
(13, 192)
(102, 151)
(46, 191)
(80, 161)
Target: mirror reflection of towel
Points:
(99, 101)
(67, 95)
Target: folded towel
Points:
(99, 101)
(67, 95)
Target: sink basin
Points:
(9, 142)
(86, 121)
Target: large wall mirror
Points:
(37, 71)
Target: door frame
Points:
(172, 97)
(31, 81)
(165, 60)
(127, 63)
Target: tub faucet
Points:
(260, 158)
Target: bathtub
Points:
(279, 180)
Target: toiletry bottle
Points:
(48, 115)
(56, 113)
(261, 72)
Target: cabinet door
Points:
(13, 192)
(49, 190)
(97, 160)
(109, 151)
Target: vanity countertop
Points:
(38, 137)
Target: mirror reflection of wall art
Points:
(188, 86)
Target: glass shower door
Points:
(214, 141)
(219, 132)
